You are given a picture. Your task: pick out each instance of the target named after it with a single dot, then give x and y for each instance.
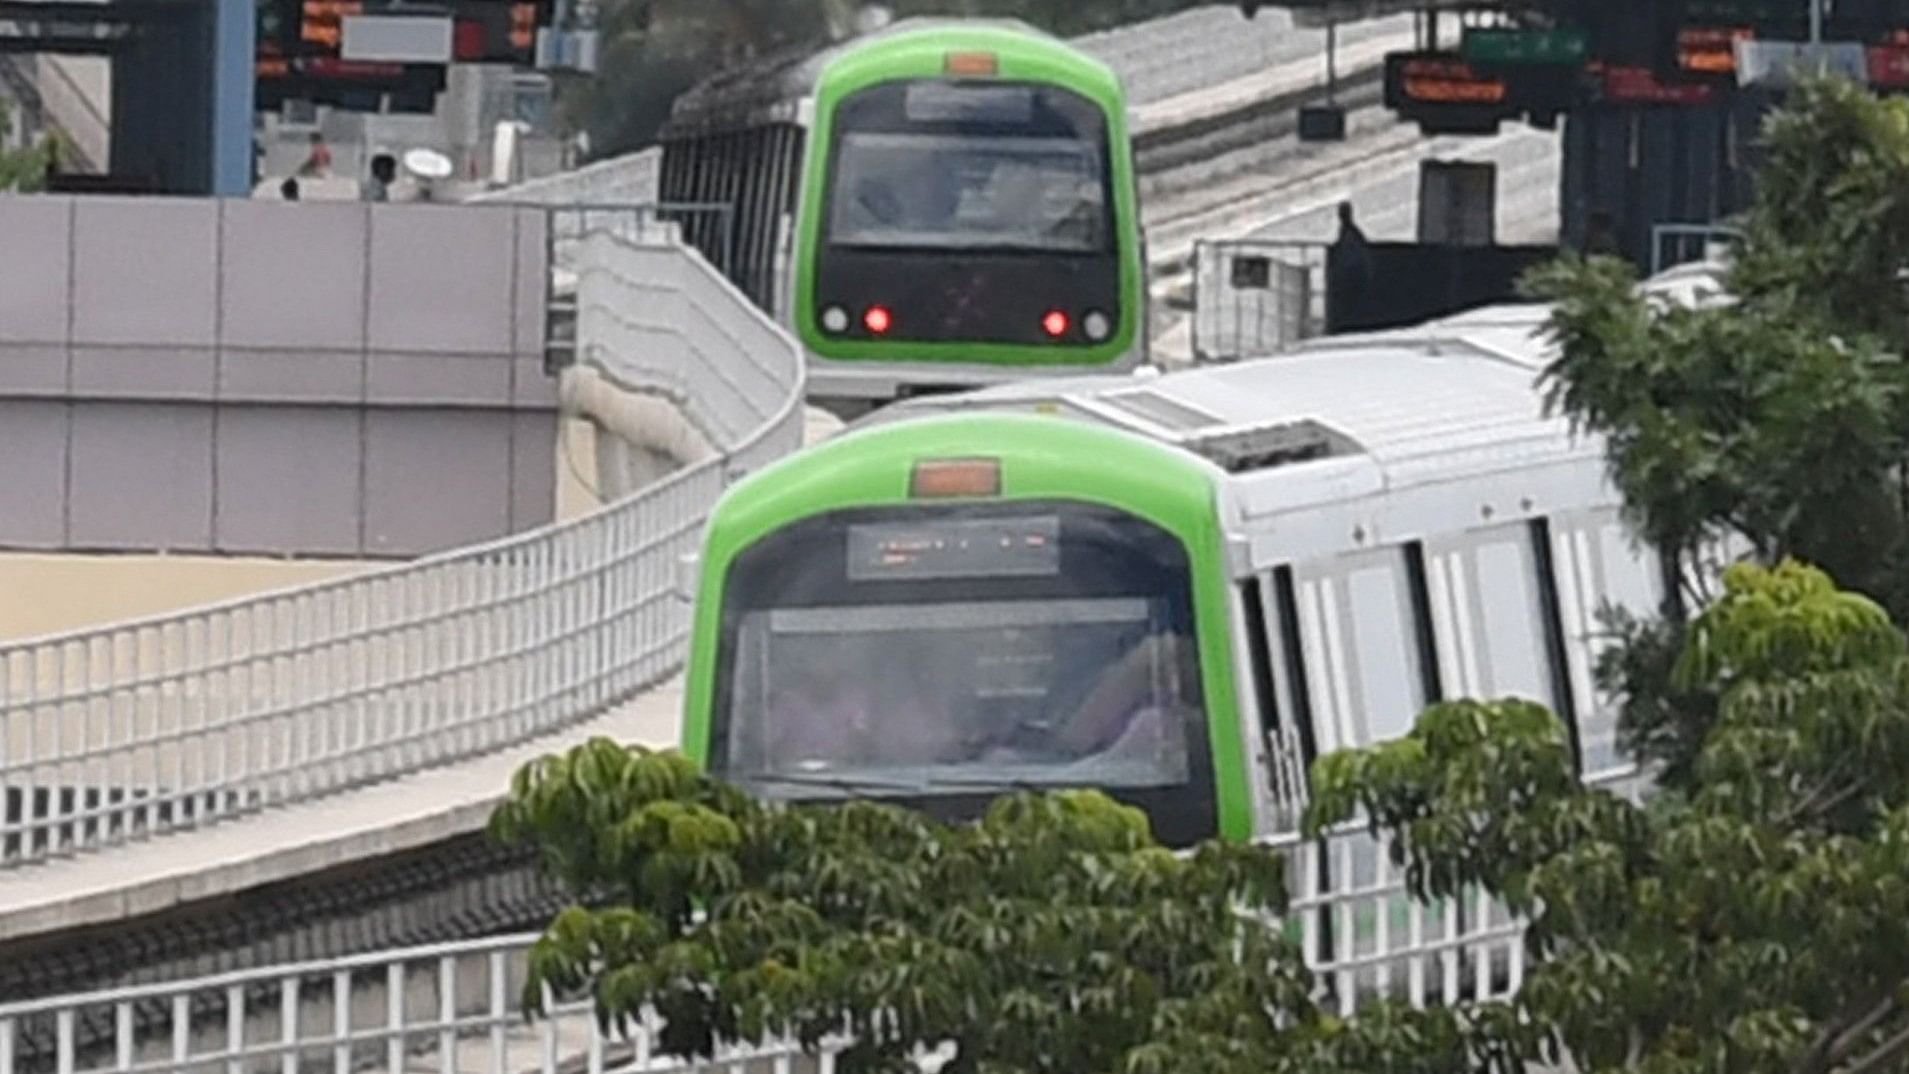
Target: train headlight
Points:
(1054, 323)
(1097, 324)
(834, 319)
(878, 319)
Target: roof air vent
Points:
(1265, 447)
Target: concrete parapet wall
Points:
(261, 377)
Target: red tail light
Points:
(878, 319)
(1055, 323)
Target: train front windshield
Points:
(961, 165)
(943, 658)
(927, 190)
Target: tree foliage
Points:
(1758, 922)
(1781, 416)
(653, 50)
(22, 170)
(1054, 935)
(1750, 916)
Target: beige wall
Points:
(46, 594)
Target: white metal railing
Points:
(447, 1007)
(455, 1006)
(136, 728)
(630, 179)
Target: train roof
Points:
(1450, 399)
(770, 89)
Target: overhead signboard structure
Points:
(1545, 57)
(1510, 45)
(1447, 93)
(1779, 64)
(1888, 66)
(396, 38)
(373, 54)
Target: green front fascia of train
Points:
(1041, 458)
(1021, 57)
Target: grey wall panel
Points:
(288, 479)
(528, 323)
(533, 485)
(32, 368)
(441, 279)
(438, 379)
(143, 372)
(294, 274)
(235, 345)
(303, 376)
(33, 497)
(435, 479)
(142, 476)
(145, 271)
(530, 386)
(34, 271)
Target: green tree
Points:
(653, 50)
(1780, 417)
(22, 170)
(1749, 917)
(1756, 920)
(1052, 936)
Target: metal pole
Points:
(1816, 21)
(1332, 63)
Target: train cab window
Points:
(966, 650)
(970, 166)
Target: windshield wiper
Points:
(1015, 782)
(1039, 786)
(849, 784)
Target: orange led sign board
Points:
(1418, 79)
(1710, 50)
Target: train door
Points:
(1494, 609)
(1598, 562)
(1362, 671)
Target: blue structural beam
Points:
(234, 27)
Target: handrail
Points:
(1351, 914)
(124, 731)
(274, 1015)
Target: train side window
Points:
(1597, 563)
(1359, 648)
(1489, 615)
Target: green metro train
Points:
(1179, 589)
(938, 205)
